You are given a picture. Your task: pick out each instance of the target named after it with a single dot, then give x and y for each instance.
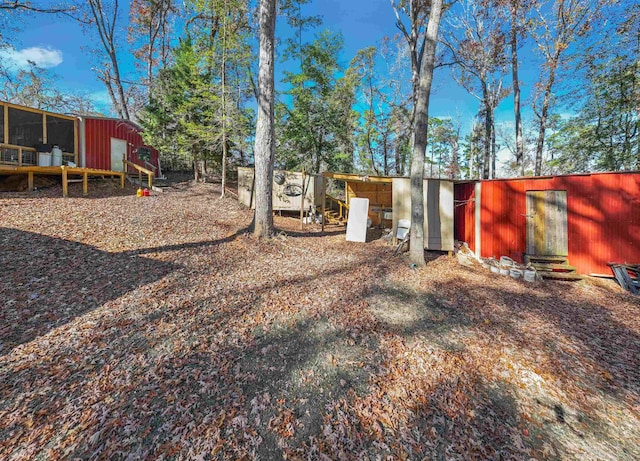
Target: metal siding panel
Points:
(603, 223)
(561, 228)
(98, 134)
(464, 216)
(486, 227)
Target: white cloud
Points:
(43, 57)
(102, 102)
(100, 98)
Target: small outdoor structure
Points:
(590, 219)
(438, 211)
(28, 135)
(103, 141)
(288, 190)
(39, 142)
(390, 201)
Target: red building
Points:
(103, 141)
(592, 219)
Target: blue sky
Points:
(61, 45)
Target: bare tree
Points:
(553, 32)
(421, 35)
(516, 9)
(103, 19)
(264, 150)
(223, 91)
(150, 28)
(23, 5)
(477, 45)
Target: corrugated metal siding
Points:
(603, 217)
(464, 215)
(98, 134)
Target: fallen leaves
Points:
(154, 328)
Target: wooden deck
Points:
(64, 171)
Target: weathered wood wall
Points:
(438, 211)
(286, 196)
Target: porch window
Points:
(25, 127)
(60, 132)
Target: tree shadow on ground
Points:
(320, 389)
(208, 376)
(190, 245)
(47, 282)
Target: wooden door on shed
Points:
(547, 223)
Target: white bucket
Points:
(44, 159)
(529, 275)
(505, 261)
(504, 271)
(56, 156)
(515, 273)
(495, 269)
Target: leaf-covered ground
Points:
(156, 328)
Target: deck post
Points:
(302, 201)
(65, 182)
(85, 183)
(122, 181)
(30, 180)
(150, 181)
(6, 124)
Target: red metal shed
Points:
(594, 218)
(103, 141)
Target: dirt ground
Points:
(157, 328)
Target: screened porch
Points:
(28, 135)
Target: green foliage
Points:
(443, 149)
(382, 137)
(316, 119)
(186, 110)
(605, 134)
(181, 108)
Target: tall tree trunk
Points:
(105, 27)
(119, 87)
(486, 158)
(223, 72)
(319, 146)
(398, 156)
(196, 167)
(493, 140)
(264, 150)
(420, 134)
(385, 151)
(516, 87)
(455, 155)
(544, 114)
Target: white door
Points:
(357, 221)
(118, 149)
